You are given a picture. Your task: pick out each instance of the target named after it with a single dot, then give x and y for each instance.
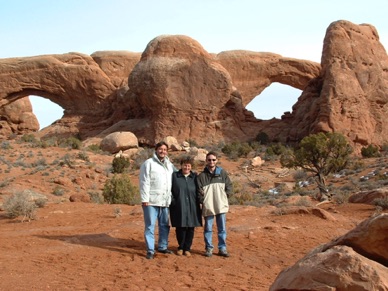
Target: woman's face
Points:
(186, 168)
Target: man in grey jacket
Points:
(155, 192)
(215, 187)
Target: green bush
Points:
(262, 138)
(71, 142)
(120, 190)
(236, 149)
(370, 151)
(20, 204)
(94, 148)
(28, 138)
(119, 164)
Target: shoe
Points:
(149, 256)
(179, 252)
(209, 252)
(187, 254)
(223, 253)
(166, 251)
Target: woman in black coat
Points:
(185, 211)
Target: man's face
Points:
(211, 161)
(161, 152)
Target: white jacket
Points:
(155, 181)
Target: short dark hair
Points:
(187, 160)
(159, 144)
(212, 154)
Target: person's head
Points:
(211, 160)
(186, 164)
(161, 150)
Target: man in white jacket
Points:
(155, 190)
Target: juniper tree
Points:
(320, 154)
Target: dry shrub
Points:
(20, 204)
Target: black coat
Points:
(185, 210)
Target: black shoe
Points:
(166, 251)
(149, 256)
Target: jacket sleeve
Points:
(200, 194)
(173, 190)
(228, 185)
(144, 180)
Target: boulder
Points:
(357, 260)
(117, 141)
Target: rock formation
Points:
(356, 261)
(17, 118)
(176, 88)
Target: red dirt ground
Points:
(80, 246)
(84, 246)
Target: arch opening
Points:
(45, 110)
(274, 101)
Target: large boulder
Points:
(119, 141)
(356, 261)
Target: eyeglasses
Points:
(211, 160)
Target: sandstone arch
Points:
(274, 101)
(252, 72)
(204, 95)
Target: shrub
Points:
(96, 197)
(300, 175)
(71, 142)
(5, 145)
(94, 148)
(303, 201)
(262, 138)
(58, 191)
(82, 155)
(119, 164)
(28, 138)
(20, 204)
(382, 202)
(370, 151)
(120, 190)
(236, 149)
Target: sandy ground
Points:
(84, 246)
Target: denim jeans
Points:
(221, 231)
(151, 214)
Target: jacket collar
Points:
(180, 174)
(217, 171)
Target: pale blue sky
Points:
(290, 28)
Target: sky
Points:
(294, 29)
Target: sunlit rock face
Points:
(176, 88)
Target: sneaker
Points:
(149, 256)
(223, 253)
(179, 252)
(187, 254)
(209, 252)
(166, 251)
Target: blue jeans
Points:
(151, 214)
(221, 231)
